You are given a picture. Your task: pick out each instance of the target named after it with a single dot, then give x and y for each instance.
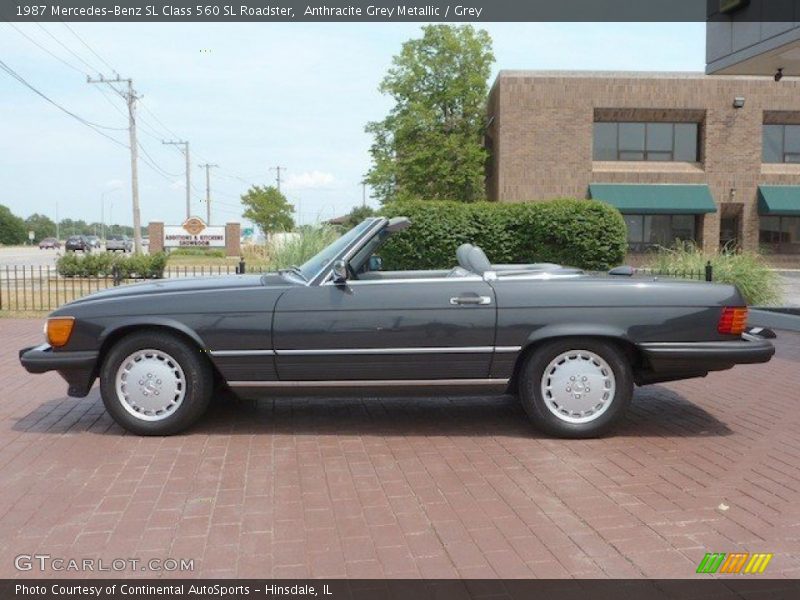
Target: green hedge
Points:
(198, 251)
(144, 266)
(579, 233)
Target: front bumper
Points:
(668, 361)
(79, 369)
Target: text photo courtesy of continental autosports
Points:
(305, 300)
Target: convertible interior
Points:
(472, 261)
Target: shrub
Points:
(297, 249)
(748, 271)
(191, 251)
(579, 233)
(149, 266)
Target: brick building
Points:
(715, 159)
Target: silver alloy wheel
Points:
(150, 385)
(578, 386)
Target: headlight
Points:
(58, 329)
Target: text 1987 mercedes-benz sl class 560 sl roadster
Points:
(570, 344)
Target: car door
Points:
(386, 330)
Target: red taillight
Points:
(733, 320)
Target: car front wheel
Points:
(154, 383)
(576, 388)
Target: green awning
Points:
(779, 200)
(655, 199)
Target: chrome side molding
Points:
(356, 383)
(362, 351)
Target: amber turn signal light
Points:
(733, 320)
(58, 330)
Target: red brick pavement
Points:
(437, 487)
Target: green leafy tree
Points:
(430, 145)
(268, 209)
(356, 215)
(12, 228)
(42, 226)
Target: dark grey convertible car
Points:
(571, 344)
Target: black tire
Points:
(197, 374)
(540, 412)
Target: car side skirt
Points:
(384, 387)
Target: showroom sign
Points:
(194, 232)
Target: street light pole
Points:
(103, 210)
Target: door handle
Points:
(478, 300)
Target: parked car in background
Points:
(145, 241)
(49, 244)
(570, 344)
(119, 243)
(78, 242)
(94, 241)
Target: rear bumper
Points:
(77, 368)
(668, 361)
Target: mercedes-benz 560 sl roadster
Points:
(570, 344)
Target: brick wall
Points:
(542, 124)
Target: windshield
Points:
(319, 261)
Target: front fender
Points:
(133, 323)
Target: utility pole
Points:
(208, 168)
(58, 237)
(364, 194)
(188, 180)
(130, 96)
(278, 176)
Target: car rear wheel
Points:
(154, 383)
(576, 388)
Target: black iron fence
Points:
(704, 274)
(42, 288)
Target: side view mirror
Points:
(375, 263)
(339, 272)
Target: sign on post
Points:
(194, 233)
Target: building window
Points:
(677, 142)
(780, 234)
(648, 231)
(781, 144)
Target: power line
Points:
(82, 41)
(67, 48)
(155, 162)
(152, 114)
(45, 49)
(94, 126)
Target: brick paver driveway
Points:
(438, 487)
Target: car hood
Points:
(187, 284)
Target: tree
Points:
(430, 145)
(12, 228)
(268, 209)
(356, 215)
(42, 226)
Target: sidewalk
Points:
(435, 487)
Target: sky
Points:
(248, 97)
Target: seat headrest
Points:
(462, 255)
(478, 262)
